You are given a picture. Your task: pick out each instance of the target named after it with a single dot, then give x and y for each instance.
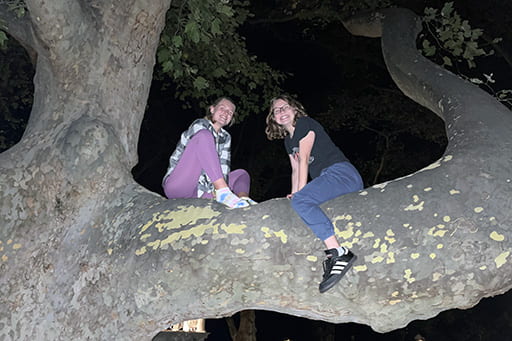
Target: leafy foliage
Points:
(455, 41)
(451, 41)
(205, 56)
(19, 9)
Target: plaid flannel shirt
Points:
(222, 144)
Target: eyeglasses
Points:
(279, 110)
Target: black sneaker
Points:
(335, 267)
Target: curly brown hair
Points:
(275, 131)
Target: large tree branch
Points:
(59, 25)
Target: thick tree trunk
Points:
(88, 254)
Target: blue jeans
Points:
(338, 179)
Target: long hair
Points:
(214, 104)
(275, 131)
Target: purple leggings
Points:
(200, 154)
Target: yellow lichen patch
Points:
(478, 209)
(393, 302)
(446, 219)
(358, 233)
(343, 217)
(433, 165)
(390, 240)
(368, 235)
(109, 251)
(497, 237)
(376, 243)
(196, 231)
(268, 233)
(501, 259)
(432, 255)
(415, 255)
(389, 236)
(391, 258)
(418, 207)
(383, 248)
(145, 236)
(347, 233)
(178, 218)
(16, 246)
(408, 277)
(406, 225)
(428, 189)
(395, 294)
(483, 267)
(240, 251)
(233, 228)
(377, 259)
(265, 217)
(140, 251)
(436, 276)
(154, 244)
(363, 193)
(9, 241)
(311, 258)
(360, 268)
(439, 233)
(4, 258)
(448, 158)
(439, 246)
(454, 191)
(415, 198)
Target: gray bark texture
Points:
(88, 254)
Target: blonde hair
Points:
(209, 115)
(275, 131)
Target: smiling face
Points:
(222, 113)
(283, 113)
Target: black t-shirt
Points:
(324, 152)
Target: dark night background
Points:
(327, 66)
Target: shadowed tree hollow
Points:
(87, 253)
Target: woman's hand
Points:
(289, 196)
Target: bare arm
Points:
(294, 162)
(305, 147)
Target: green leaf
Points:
(447, 9)
(177, 41)
(200, 83)
(225, 9)
(428, 49)
(192, 30)
(215, 29)
(447, 61)
(167, 66)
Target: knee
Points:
(203, 135)
(240, 173)
(299, 201)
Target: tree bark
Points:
(86, 253)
